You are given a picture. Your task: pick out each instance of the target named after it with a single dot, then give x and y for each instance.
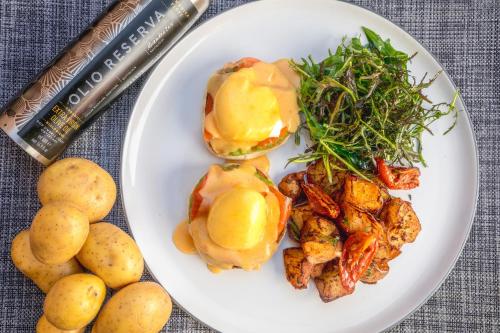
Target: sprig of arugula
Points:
(361, 102)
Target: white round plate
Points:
(164, 156)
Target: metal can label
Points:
(101, 64)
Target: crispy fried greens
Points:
(360, 103)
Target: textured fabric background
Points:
(463, 35)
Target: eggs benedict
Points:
(250, 108)
(237, 217)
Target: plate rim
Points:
(147, 81)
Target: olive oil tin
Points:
(78, 85)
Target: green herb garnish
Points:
(263, 178)
(230, 166)
(295, 230)
(361, 102)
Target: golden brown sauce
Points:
(262, 163)
(182, 239)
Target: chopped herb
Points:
(345, 221)
(361, 102)
(263, 178)
(335, 240)
(295, 230)
(230, 166)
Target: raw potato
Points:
(43, 326)
(58, 232)
(44, 276)
(82, 182)
(142, 307)
(74, 301)
(111, 254)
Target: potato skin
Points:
(401, 222)
(377, 270)
(353, 219)
(320, 240)
(44, 326)
(316, 174)
(74, 301)
(43, 275)
(297, 269)
(328, 283)
(111, 254)
(81, 182)
(364, 195)
(58, 232)
(141, 307)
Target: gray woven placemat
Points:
(463, 35)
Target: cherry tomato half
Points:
(357, 255)
(398, 178)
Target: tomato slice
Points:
(196, 199)
(285, 204)
(209, 104)
(357, 255)
(320, 202)
(272, 141)
(246, 62)
(398, 178)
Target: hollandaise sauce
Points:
(251, 109)
(182, 239)
(262, 163)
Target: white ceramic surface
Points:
(163, 157)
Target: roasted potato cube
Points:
(377, 270)
(384, 250)
(320, 240)
(316, 174)
(297, 268)
(290, 185)
(317, 270)
(364, 195)
(401, 222)
(353, 219)
(300, 214)
(318, 225)
(328, 283)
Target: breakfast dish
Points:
(165, 153)
(250, 108)
(237, 217)
(359, 108)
